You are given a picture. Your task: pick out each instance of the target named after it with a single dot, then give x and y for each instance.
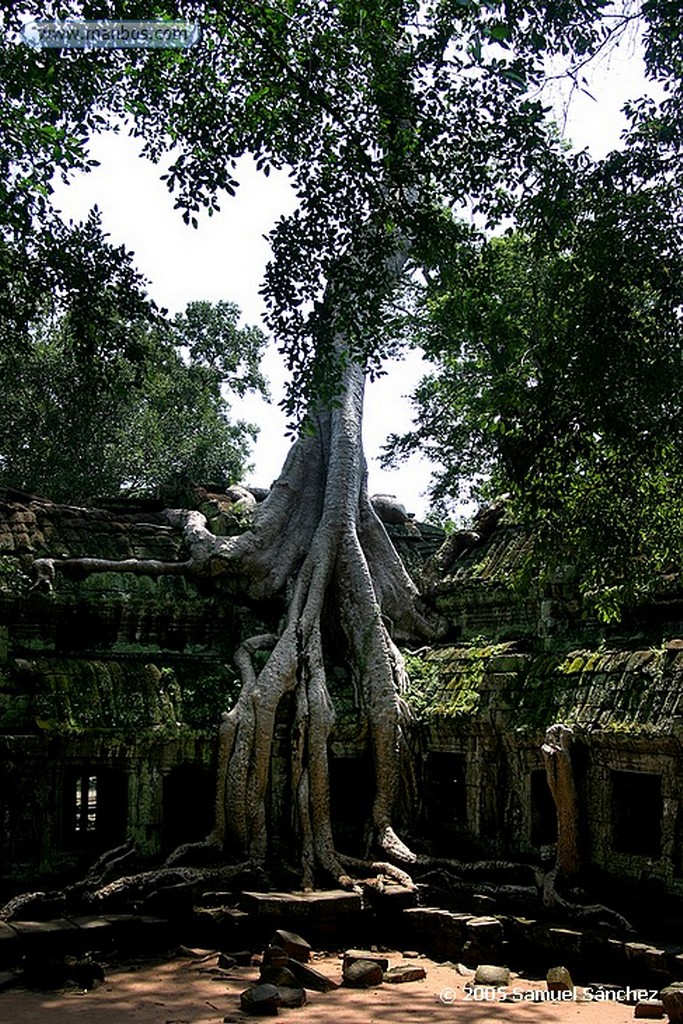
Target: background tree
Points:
(559, 353)
(102, 394)
(385, 113)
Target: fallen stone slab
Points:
(490, 974)
(260, 1001)
(281, 977)
(293, 945)
(301, 904)
(291, 997)
(672, 1000)
(44, 937)
(558, 979)
(363, 974)
(351, 955)
(196, 953)
(649, 1009)
(274, 956)
(403, 973)
(310, 978)
(93, 927)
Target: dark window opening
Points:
(678, 843)
(85, 803)
(188, 804)
(352, 789)
(95, 804)
(543, 812)
(637, 813)
(446, 792)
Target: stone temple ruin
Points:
(110, 687)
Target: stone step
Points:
(301, 904)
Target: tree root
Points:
(134, 888)
(383, 872)
(595, 913)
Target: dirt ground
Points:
(189, 989)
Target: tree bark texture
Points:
(316, 539)
(556, 751)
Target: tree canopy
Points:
(102, 393)
(382, 113)
(559, 370)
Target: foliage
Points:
(429, 693)
(102, 393)
(379, 110)
(205, 699)
(559, 376)
(388, 116)
(13, 582)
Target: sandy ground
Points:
(189, 990)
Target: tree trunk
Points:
(556, 752)
(311, 540)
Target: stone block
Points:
(363, 974)
(40, 937)
(564, 940)
(672, 1001)
(291, 997)
(352, 955)
(301, 904)
(275, 956)
(403, 973)
(293, 945)
(490, 974)
(649, 1009)
(281, 977)
(485, 930)
(310, 978)
(644, 957)
(558, 979)
(675, 964)
(98, 927)
(440, 933)
(260, 1001)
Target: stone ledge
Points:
(297, 904)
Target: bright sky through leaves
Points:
(226, 256)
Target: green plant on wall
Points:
(435, 692)
(204, 698)
(13, 581)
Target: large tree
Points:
(386, 114)
(103, 393)
(559, 371)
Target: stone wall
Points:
(111, 688)
(488, 708)
(112, 685)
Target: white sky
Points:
(225, 259)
